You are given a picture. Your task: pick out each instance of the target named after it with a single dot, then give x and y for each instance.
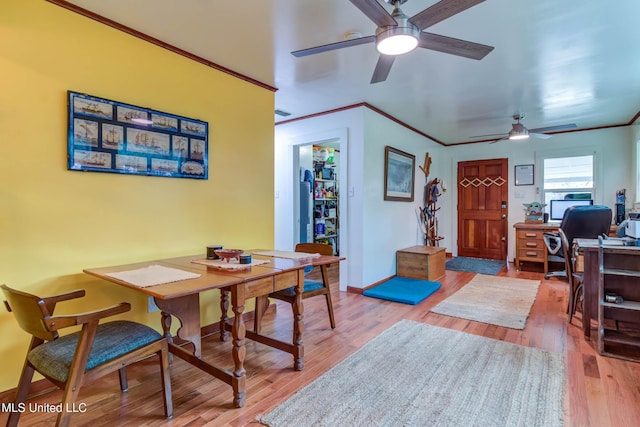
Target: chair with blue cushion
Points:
(72, 360)
(312, 288)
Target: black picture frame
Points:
(399, 173)
(110, 136)
(524, 175)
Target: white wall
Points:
(390, 225)
(345, 127)
(633, 198)
(614, 167)
(375, 228)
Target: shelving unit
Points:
(325, 204)
(618, 323)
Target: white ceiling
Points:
(558, 62)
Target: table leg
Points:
(298, 323)
(187, 310)
(262, 303)
(224, 308)
(239, 379)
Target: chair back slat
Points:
(315, 248)
(30, 311)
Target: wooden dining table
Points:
(181, 299)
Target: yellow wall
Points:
(55, 222)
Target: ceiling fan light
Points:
(396, 40)
(518, 130)
(515, 134)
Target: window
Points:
(567, 178)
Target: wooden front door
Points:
(482, 208)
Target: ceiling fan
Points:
(397, 34)
(519, 131)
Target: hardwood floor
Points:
(600, 391)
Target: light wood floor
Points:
(600, 391)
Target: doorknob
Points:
(504, 216)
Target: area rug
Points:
(502, 301)
(403, 289)
(475, 265)
(415, 374)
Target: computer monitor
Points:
(557, 207)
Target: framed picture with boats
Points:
(111, 136)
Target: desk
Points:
(617, 256)
(530, 243)
(182, 300)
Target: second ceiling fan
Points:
(520, 131)
(397, 34)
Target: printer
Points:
(632, 227)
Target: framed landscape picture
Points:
(110, 136)
(399, 170)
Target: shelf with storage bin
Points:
(325, 201)
(618, 322)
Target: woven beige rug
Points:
(415, 374)
(502, 301)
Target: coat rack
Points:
(433, 189)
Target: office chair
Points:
(75, 359)
(578, 222)
(312, 288)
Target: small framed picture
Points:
(524, 174)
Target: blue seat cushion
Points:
(309, 285)
(113, 339)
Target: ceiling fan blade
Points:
(539, 135)
(440, 11)
(334, 46)
(454, 46)
(497, 140)
(485, 136)
(382, 68)
(375, 11)
(554, 128)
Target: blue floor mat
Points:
(403, 289)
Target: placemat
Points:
(287, 254)
(153, 275)
(232, 265)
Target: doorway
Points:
(319, 194)
(483, 191)
(288, 229)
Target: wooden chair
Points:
(75, 359)
(312, 288)
(576, 279)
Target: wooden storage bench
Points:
(421, 262)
